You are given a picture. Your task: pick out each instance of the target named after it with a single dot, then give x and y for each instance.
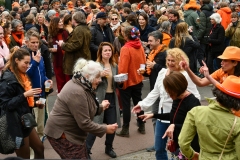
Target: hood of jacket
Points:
(134, 43)
(188, 12)
(207, 7)
(227, 10)
(8, 76)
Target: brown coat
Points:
(72, 114)
(76, 46)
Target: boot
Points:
(124, 132)
(141, 128)
(109, 151)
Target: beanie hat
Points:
(216, 17)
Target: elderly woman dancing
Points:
(73, 112)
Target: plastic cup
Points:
(55, 46)
(47, 86)
(107, 70)
(60, 41)
(142, 66)
(41, 103)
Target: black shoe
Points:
(109, 151)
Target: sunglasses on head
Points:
(114, 19)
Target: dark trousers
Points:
(213, 60)
(134, 92)
(202, 52)
(110, 117)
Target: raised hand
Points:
(205, 70)
(136, 109)
(36, 57)
(183, 63)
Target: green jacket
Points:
(234, 36)
(213, 124)
(190, 17)
(204, 24)
(76, 46)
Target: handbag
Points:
(28, 120)
(234, 123)
(172, 145)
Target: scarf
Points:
(18, 36)
(153, 53)
(27, 86)
(7, 39)
(114, 27)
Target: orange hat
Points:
(192, 4)
(231, 53)
(15, 4)
(230, 86)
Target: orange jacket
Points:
(131, 56)
(225, 14)
(166, 38)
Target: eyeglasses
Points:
(114, 19)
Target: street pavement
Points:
(132, 148)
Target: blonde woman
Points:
(185, 41)
(42, 28)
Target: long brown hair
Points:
(99, 53)
(53, 26)
(181, 34)
(19, 54)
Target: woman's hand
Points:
(32, 92)
(136, 109)
(204, 69)
(111, 128)
(105, 72)
(195, 156)
(53, 50)
(169, 131)
(146, 116)
(105, 104)
(183, 64)
(141, 71)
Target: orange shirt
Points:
(219, 75)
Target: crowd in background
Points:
(195, 42)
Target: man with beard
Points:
(174, 18)
(101, 32)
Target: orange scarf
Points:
(7, 40)
(27, 86)
(16, 36)
(153, 53)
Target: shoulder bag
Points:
(234, 123)
(172, 145)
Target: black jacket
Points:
(144, 33)
(160, 60)
(11, 94)
(47, 60)
(44, 28)
(97, 38)
(216, 39)
(189, 46)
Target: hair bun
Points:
(135, 33)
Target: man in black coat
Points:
(101, 32)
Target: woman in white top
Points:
(174, 56)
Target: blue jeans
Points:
(160, 144)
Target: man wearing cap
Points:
(230, 65)
(108, 7)
(101, 32)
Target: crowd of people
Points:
(178, 45)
